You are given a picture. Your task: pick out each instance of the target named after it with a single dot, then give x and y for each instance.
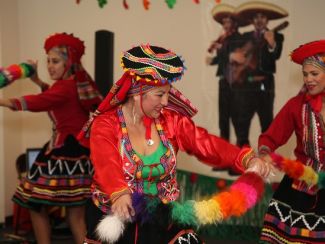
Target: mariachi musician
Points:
(253, 84)
(228, 41)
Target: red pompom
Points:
(221, 184)
(193, 178)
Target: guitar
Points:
(236, 72)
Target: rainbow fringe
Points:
(297, 170)
(242, 195)
(15, 72)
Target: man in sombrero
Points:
(255, 68)
(227, 41)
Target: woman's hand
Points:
(6, 103)
(261, 166)
(35, 78)
(208, 60)
(122, 207)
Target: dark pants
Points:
(246, 102)
(224, 108)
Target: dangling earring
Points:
(134, 115)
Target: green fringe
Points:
(152, 204)
(170, 3)
(184, 213)
(246, 227)
(321, 180)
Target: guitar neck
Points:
(281, 26)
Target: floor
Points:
(62, 235)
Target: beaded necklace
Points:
(126, 146)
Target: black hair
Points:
(21, 164)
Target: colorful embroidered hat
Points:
(63, 39)
(308, 50)
(145, 66)
(222, 10)
(152, 65)
(247, 11)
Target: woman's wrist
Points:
(7, 103)
(37, 80)
(40, 83)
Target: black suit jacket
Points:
(266, 59)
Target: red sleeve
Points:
(208, 148)
(106, 157)
(53, 97)
(281, 127)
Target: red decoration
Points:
(197, 1)
(221, 184)
(275, 186)
(146, 4)
(218, 1)
(193, 178)
(125, 4)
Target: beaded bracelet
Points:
(244, 157)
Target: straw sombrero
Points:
(223, 10)
(246, 11)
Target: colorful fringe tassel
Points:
(297, 170)
(15, 72)
(242, 195)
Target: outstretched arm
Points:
(4, 102)
(210, 149)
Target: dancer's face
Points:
(155, 100)
(314, 79)
(56, 65)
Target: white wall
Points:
(2, 173)
(11, 133)
(187, 29)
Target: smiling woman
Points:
(61, 173)
(134, 138)
(296, 212)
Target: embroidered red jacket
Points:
(298, 117)
(63, 106)
(110, 162)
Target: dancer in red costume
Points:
(134, 138)
(62, 172)
(296, 212)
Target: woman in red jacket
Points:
(61, 174)
(135, 135)
(296, 213)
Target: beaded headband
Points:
(152, 65)
(316, 60)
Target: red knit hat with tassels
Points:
(307, 50)
(64, 39)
